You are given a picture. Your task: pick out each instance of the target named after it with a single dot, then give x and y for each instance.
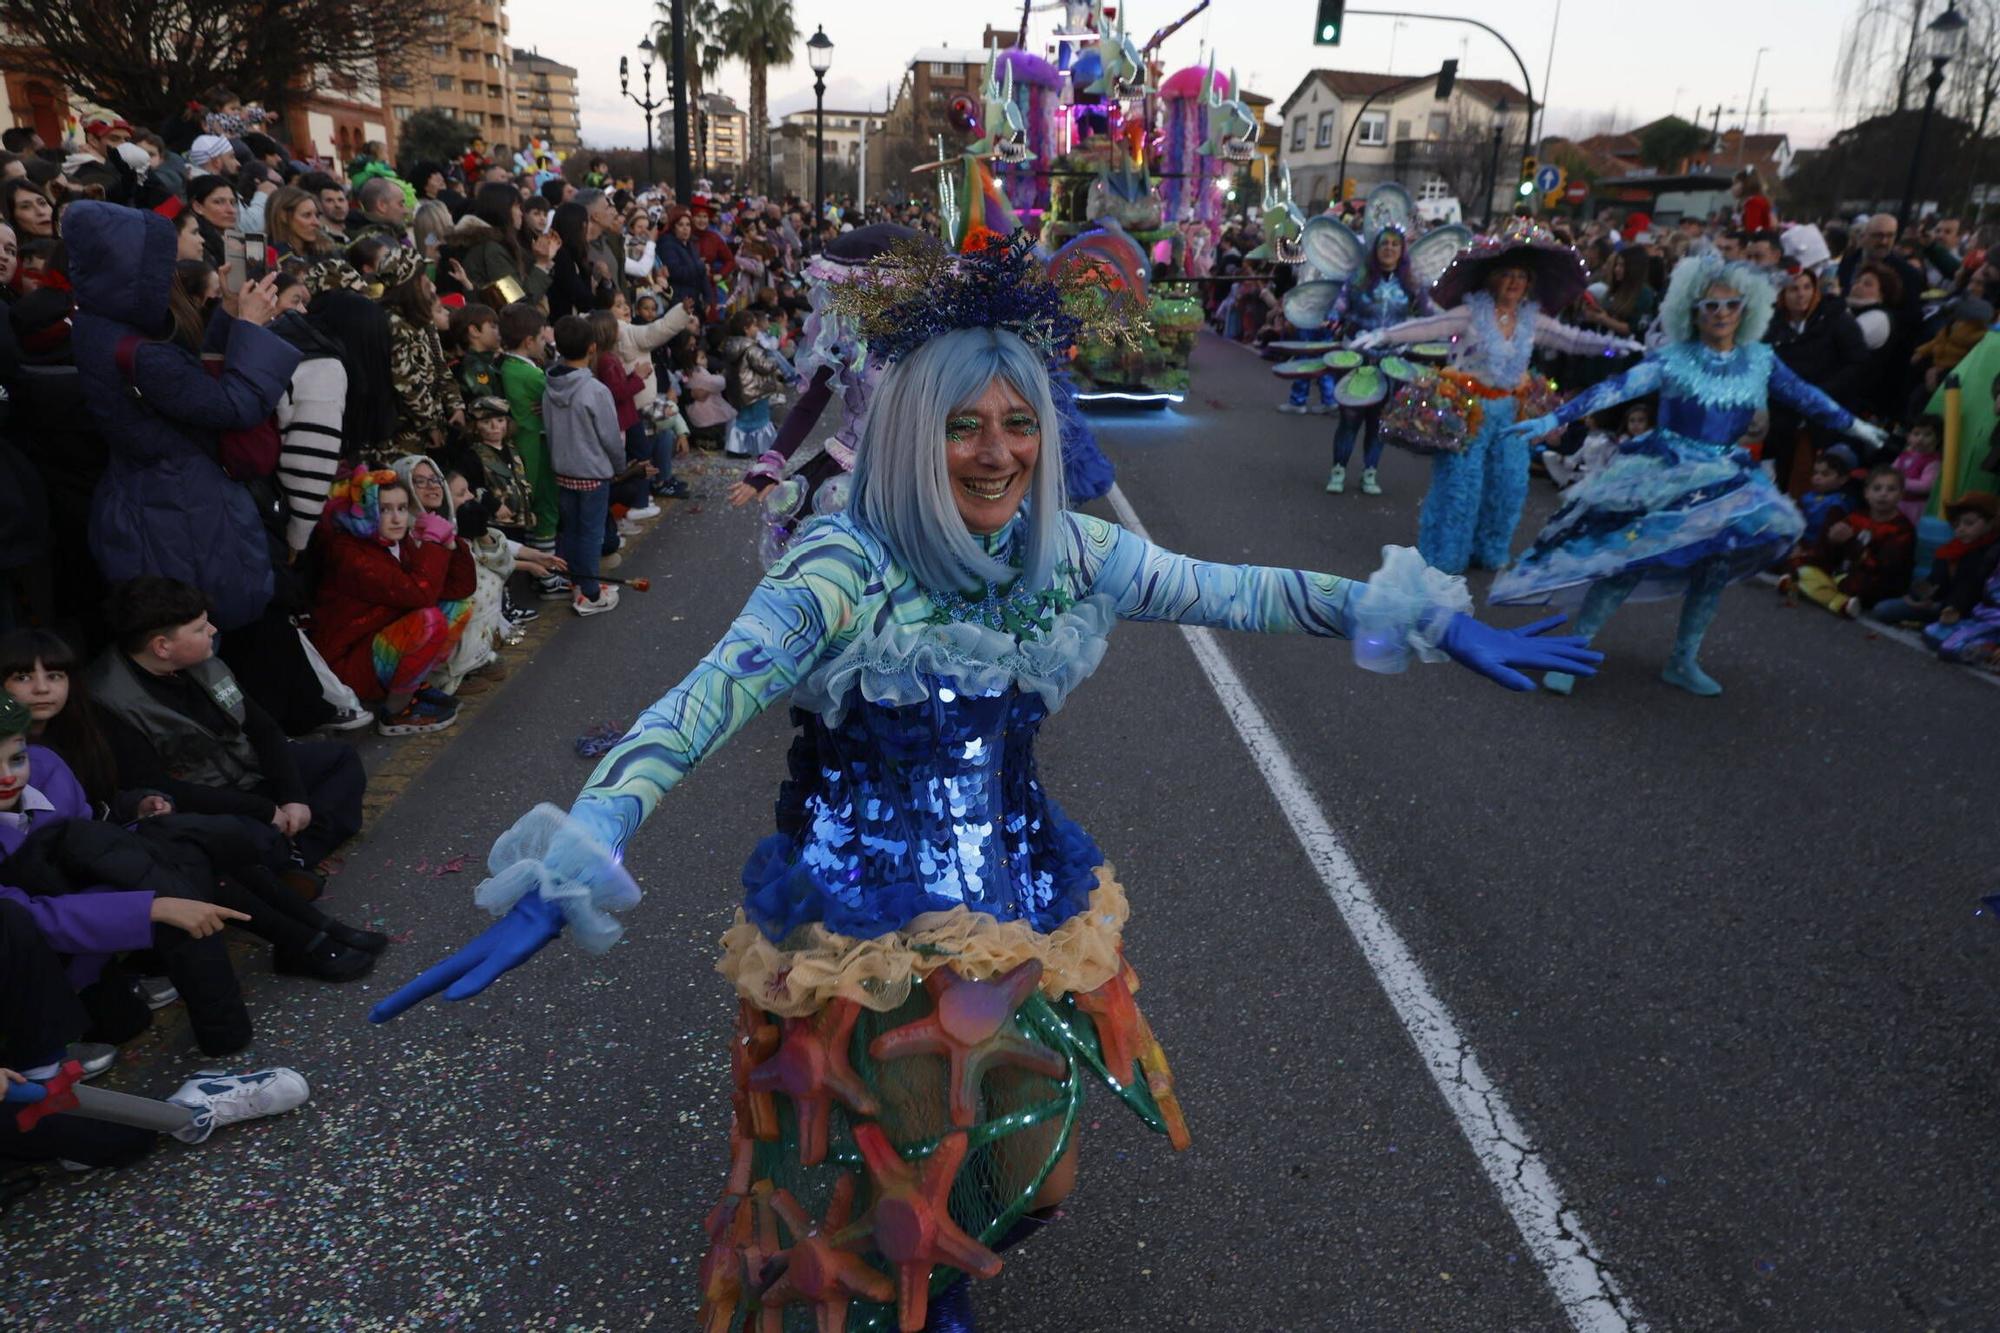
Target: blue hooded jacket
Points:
(164, 505)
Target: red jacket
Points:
(1878, 559)
(366, 589)
(624, 386)
(714, 252)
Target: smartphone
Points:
(234, 261)
(254, 256)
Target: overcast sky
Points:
(1610, 63)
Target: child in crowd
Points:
(492, 548)
(755, 381)
(638, 347)
(1865, 555)
(707, 410)
(472, 346)
(1599, 446)
(629, 489)
(1919, 463)
(1965, 322)
(524, 332)
(502, 481)
(1826, 493)
(1974, 638)
(1960, 569)
(588, 450)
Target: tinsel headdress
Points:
(914, 293)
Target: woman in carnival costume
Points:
(927, 961)
(1380, 280)
(1495, 296)
(1681, 510)
(834, 363)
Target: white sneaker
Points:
(157, 992)
(607, 599)
(650, 511)
(628, 528)
(1296, 409)
(348, 719)
(227, 1099)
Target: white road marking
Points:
(1573, 1265)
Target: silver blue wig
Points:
(902, 484)
(1693, 277)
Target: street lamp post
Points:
(677, 81)
(646, 103)
(819, 54)
(1493, 166)
(1944, 35)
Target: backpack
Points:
(247, 455)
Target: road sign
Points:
(1549, 179)
(1577, 192)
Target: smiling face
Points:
(41, 691)
(13, 770)
(305, 221)
(429, 485)
(991, 447)
(1798, 294)
(1509, 286)
(1717, 315)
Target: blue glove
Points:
(24, 1092)
(1531, 429)
(550, 870)
(1500, 654)
(512, 940)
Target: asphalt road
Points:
(1718, 955)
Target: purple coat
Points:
(89, 926)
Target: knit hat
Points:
(1972, 310)
(1983, 503)
(397, 266)
(14, 718)
(206, 149)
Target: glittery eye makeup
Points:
(957, 428)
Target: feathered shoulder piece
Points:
(915, 292)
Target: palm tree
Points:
(704, 60)
(761, 34)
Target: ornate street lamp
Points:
(1943, 37)
(646, 104)
(819, 54)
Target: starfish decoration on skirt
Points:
(816, 1271)
(756, 1042)
(722, 1274)
(971, 1026)
(811, 1067)
(910, 1221)
(1116, 1017)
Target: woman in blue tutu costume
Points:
(1682, 510)
(1495, 298)
(928, 963)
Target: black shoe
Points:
(676, 489)
(323, 960)
(367, 941)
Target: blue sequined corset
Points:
(901, 809)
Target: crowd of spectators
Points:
(1872, 316)
(291, 448)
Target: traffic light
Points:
(1332, 18)
(1447, 76)
(1527, 186)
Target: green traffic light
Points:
(1328, 33)
(1527, 188)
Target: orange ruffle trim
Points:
(814, 965)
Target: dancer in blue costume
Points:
(927, 960)
(1370, 282)
(1681, 510)
(1495, 295)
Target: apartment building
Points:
(464, 67)
(792, 146)
(545, 101)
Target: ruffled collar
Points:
(1493, 356)
(1736, 378)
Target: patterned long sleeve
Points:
(1641, 380)
(1146, 582)
(1444, 325)
(1553, 333)
(1803, 398)
(808, 604)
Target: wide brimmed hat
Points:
(1556, 272)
